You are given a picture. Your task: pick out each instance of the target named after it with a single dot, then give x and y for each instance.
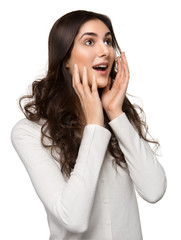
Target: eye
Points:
(108, 42)
(89, 42)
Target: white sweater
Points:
(96, 202)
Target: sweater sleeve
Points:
(64, 199)
(146, 172)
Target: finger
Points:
(75, 76)
(124, 57)
(94, 84)
(126, 63)
(119, 73)
(76, 81)
(126, 72)
(86, 87)
(94, 87)
(119, 67)
(125, 79)
(122, 75)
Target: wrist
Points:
(113, 114)
(95, 122)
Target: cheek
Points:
(113, 56)
(79, 57)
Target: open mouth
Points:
(101, 68)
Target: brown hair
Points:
(54, 99)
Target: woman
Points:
(80, 121)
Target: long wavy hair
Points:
(54, 100)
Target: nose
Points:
(103, 50)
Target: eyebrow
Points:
(94, 34)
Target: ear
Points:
(67, 64)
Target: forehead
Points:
(95, 26)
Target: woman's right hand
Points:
(89, 97)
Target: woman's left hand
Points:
(112, 99)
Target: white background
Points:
(149, 33)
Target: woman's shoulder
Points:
(26, 127)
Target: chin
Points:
(102, 83)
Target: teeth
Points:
(104, 66)
(100, 66)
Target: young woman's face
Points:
(93, 49)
